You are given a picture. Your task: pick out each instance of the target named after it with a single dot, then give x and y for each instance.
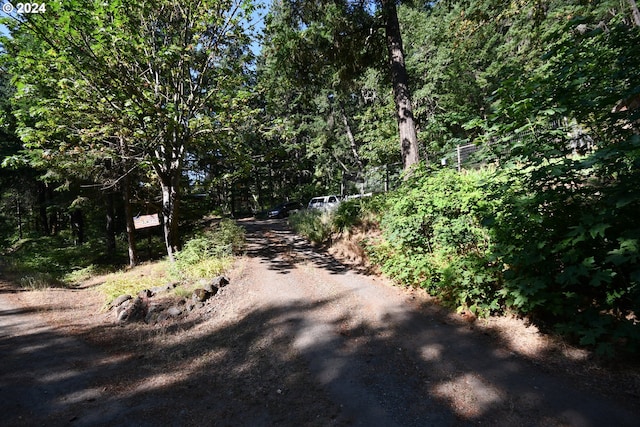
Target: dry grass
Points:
(349, 248)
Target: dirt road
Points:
(296, 339)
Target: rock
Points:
(220, 282)
(201, 294)
(146, 293)
(151, 318)
(161, 289)
(152, 313)
(122, 307)
(122, 298)
(174, 311)
(194, 305)
(211, 288)
(131, 311)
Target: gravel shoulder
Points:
(297, 338)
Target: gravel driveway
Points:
(297, 338)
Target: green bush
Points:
(360, 212)
(347, 215)
(566, 219)
(434, 239)
(568, 235)
(314, 224)
(51, 260)
(210, 253)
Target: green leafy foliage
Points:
(565, 221)
(51, 261)
(552, 233)
(314, 224)
(211, 253)
(347, 215)
(570, 251)
(357, 212)
(106, 88)
(434, 239)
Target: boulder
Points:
(145, 293)
(194, 305)
(220, 282)
(161, 289)
(211, 289)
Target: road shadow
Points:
(292, 363)
(279, 367)
(281, 249)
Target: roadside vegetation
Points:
(209, 253)
(467, 239)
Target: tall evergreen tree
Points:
(324, 44)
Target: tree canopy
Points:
(138, 83)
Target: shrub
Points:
(434, 239)
(314, 224)
(51, 260)
(361, 212)
(231, 234)
(39, 281)
(210, 253)
(347, 215)
(569, 240)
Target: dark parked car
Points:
(283, 210)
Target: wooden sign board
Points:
(144, 221)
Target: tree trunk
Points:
(351, 138)
(128, 213)
(634, 12)
(170, 203)
(77, 226)
(19, 215)
(43, 219)
(54, 220)
(400, 82)
(110, 224)
(168, 167)
(126, 197)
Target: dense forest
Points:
(500, 139)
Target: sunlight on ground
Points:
(432, 352)
(163, 380)
(469, 395)
(526, 339)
